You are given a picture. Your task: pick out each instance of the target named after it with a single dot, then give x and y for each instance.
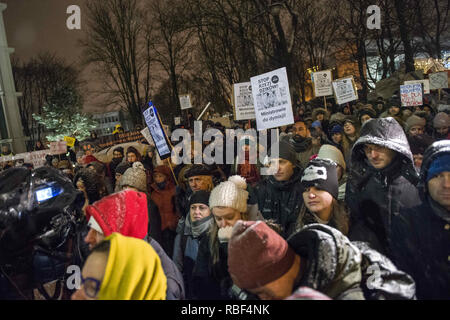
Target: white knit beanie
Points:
(230, 194)
(330, 152)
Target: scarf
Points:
(300, 144)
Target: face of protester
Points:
(320, 117)
(349, 129)
(299, 128)
(199, 211)
(159, 177)
(93, 238)
(443, 131)
(317, 200)
(131, 157)
(418, 158)
(93, 273)
(225, 216)
(197, 183)
(5, 150)
(117, 155)
(285, 169)
(365, 118)
(378, 156)
(337, 138)
(427, 110)
(394, 110)
(416, 130)
(380, 106)
(346, 110)
(439, 189)
(316, 141)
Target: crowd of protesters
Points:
(356, 186)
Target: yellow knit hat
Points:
(133, 271)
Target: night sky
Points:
(35, 26)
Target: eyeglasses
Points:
(91, 286)
(376, 148)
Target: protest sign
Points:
(58, 147)
(185, 101)
(426, 84)
(177, 121)
(322, 83)
(157, 132)
(272, 100)
(411, 95)
(70, 141)
(37, 158)
(438, 80)
(345, 90)
(243, 101)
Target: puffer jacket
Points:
(421, 238)
(280, 200)
(375, 196)
(345, 270)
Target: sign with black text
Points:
(345, 90)
(322, 83)
(157, 133)
(243, 101)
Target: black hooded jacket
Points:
(421, 237)
(375, 196)
(280, 201)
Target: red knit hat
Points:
(257, 255)
(124, 212)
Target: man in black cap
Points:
(279, 197)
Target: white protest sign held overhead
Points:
(157, 132)
(426, 84)
(58, 147)
(272, 100)
(243, 101)
(345, 90)
(322, 82)
(177, 121)
(438, 80)
(411, 95)
(185, 101)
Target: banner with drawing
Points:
(243, 101)
(345, 90)
(157, 133)
(322, 83)
(273, 107)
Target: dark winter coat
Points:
(175, 284)
(345, 270)
(375, 196)
(187, 241)
(421, 245)
(279, 200)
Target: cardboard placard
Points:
(322, 83)
(185, 101)
(243, 101)
(438, 80)
(272, 99)
(58, 147)
(70, 141)
(345, 90)
(157, 132)
(425, 83)
(411, 95)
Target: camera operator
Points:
(40, 211)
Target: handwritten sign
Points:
(243, 101)
(273, 107)
(411, 95)
(425, 83)
(345, 90)
(438, 80)
(58, 147)
(185, 101)
(322, 83)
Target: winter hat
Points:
(337, 117)
(287, 152)
(197, 170)
(200, 196)
(327, 151)
(440, 164)
(419, 143)
(336, 129)
(98, 167)
(316, 124)
(441, 120)
(414, 121)
(230, 194)
(118, 149)
(257, 255)
(366, 110)
(322, 174)
(165, 170)
(124, 212)
(122, 167)
(351, 119)
(135, 177)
